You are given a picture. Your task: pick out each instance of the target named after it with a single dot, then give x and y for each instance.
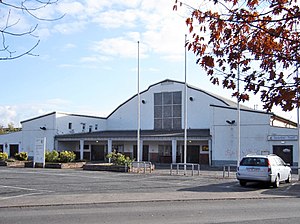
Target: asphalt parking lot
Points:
(41, 187)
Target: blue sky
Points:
(87, 61)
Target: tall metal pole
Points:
(139, 104)
(298, 112)
(185, 106)
(298, 126)
(238, 120)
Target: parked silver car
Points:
(270, 169)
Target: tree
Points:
(12, 13)
(9, 129)
(252, 42)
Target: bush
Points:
(3, 156)
(52, 156)
(22, 156)
(119, 158)
(67, 156)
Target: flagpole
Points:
(185, 106)
(139, 104)
(298, 125)
(238, 120)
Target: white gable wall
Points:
(126, 116)
(199, 113)
(32, 129)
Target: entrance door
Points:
(285, 152)
(13, 149)
(97, 152)
(145, 152)
(193, 152)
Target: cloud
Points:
(70, 28)
(116, 19)
(17, 113)
(119, 47)
(95, 58)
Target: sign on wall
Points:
(282, 138)
(39, 152)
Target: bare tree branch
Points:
(9, 31)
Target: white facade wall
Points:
(254, 131)
(77, 122)
(31, 130)
(275, 131)
(55, 124)
(199, 113)
(14, 138)
(126, 116)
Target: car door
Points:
(282, 168)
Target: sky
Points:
(86, 62)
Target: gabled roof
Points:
(224, 100)
(52, 113)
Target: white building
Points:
(212, 130)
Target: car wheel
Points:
(289, 179)
(276, 183)
(243, 183)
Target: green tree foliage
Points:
(9, 129)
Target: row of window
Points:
(83, 125)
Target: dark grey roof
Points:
(133, 134)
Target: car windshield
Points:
(250, 161)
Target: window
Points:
(70, 125)
(83, 126)
(96, 127)
(205, 148)
(167, 110)
(118, 148)
(254, 162)
(165, 150)
(90, 128)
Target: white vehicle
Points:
(270, 169)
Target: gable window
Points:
(167, 110)
(83, 126)
(96, 127)
(70, 125)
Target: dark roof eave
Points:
(133, 134)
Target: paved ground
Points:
(46, 187)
